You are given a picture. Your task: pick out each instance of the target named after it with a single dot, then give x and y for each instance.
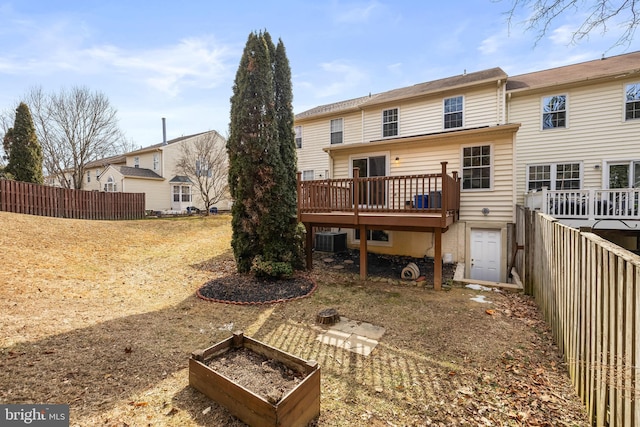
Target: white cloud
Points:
(343, 79)
(193, 62)
(354, 13)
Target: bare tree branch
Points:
(74, 127)
(600, 17)
(205, 162)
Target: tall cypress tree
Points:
(263, 220)
(284, 234)
(250, 147)
(25, 154)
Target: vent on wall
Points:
(330, 241)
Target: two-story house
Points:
(578, 147)
(153, 171)
(407, 134)
(571, 128)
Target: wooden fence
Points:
(34, 199)
(589, 292)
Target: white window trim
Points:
(331, 130)
(624, 102)
(552, 173)
(388, 243)
(609, 163)
(491, 165)
(382, 123)
(308, 171)
(566, 112)
(464, 116)
(295, 137)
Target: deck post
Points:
(299, 192)
(308, 245)
(363, 252)
(445, 193)
(437, 260)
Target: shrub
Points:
(271, 269)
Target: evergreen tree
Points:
(25, 153)
(285, 209)
(263, 220)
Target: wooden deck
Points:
(421, 203)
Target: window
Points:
(623, 174)
(453, 112)
(390, 122)
(182, 193)
(554, 176)
(568, 176)
(298, 131)
(110, 185)
(373, 235)
(308, 175)
(136, 162)
(203, 168)
(371, 193)
(156, 161)
(632, 102)
(476, 167)
(186, 193)
(554, 112)
(88, 176)
(336, 131)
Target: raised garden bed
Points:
(296, 406)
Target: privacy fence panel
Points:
(588, 290)
(34, 199)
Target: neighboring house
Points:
(580, 138)
(503, 135)
(152, 171)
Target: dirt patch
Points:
(265, 377)
(102, 315)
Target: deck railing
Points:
(593, 204)
(408, 193)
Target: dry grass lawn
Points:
(102, 316)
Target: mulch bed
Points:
(247, 289)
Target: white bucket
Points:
(447, 258)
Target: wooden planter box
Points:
(296, 408)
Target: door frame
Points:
(487, 225)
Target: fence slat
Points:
(35, 199)
(587, 288)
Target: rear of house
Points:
(578, 149)
(563, 141)
(410, 132)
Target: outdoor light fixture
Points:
(596, 166)
(397, 159)
(485, 211)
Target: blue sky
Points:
(178, 60)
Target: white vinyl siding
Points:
(596, 120)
